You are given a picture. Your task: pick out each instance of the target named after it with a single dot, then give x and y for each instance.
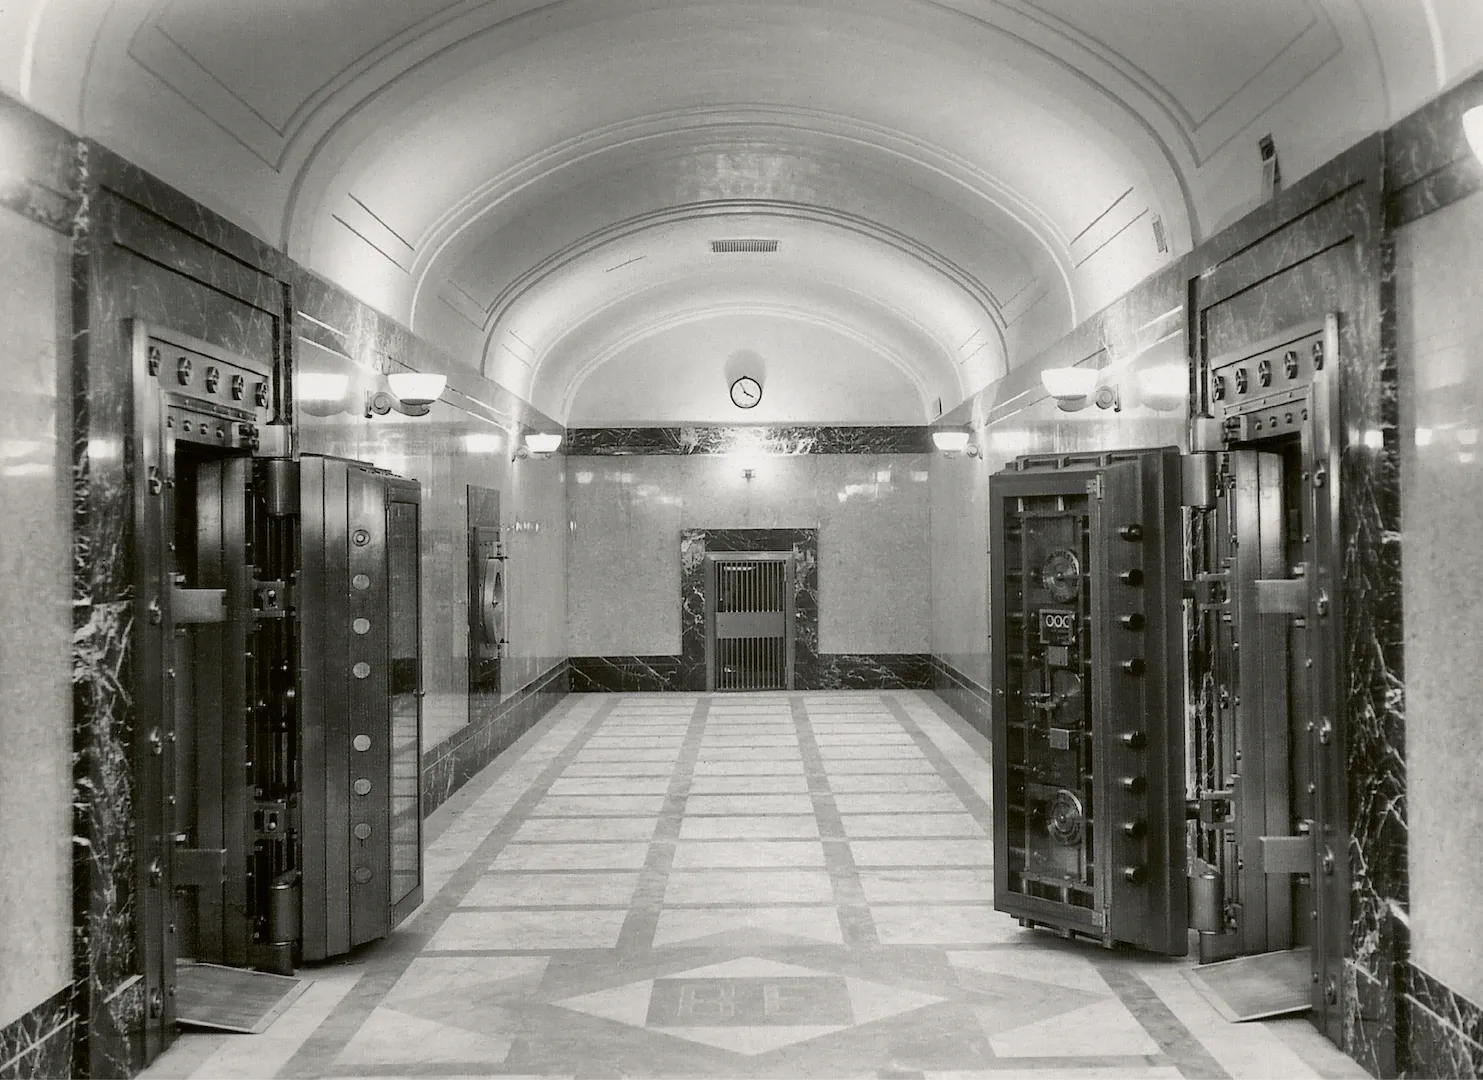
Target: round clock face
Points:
(746, 392)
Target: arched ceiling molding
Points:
(737, 120)
(981, 296)
(795, 313)
(358, 112)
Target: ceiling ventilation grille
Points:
(733, 247)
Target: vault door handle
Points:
(489, 600)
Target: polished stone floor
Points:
(771, 885)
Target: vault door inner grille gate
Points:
(749, 621)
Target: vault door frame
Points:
(1255, 409)
(713, 560)
(179, 380)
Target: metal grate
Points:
(733, 247)
(749, 625)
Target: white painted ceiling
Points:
(534, 184)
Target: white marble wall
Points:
(871, 511)
(446, 451)
(1439, 280)
(35, 621)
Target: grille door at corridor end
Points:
(1087, 583)
(749, 621)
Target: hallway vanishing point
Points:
(772, 885)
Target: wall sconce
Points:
(321, 393)
(953, 442)
(1472, 127)
(1075, 388)
(540, 443)
(412, 394)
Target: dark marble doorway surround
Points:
(696, 543)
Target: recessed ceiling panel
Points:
(296, 46)
(1201, 52)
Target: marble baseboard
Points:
(40, 1042)
(625, 674)
(723, 439)
(874, 671)
(1442, 1030)
(966, 697)
(834, 671)
(455, 760)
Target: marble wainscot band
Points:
(785, 441)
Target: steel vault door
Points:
(1088, 759)
(1271, 836)
(749, 621)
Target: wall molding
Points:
(786, 440)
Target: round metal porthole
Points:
(362, 786)
(1264, 372)
(362, 831)
(1242, 379)
(362, 874)
(1218, 387)
(362, 743)
(361, 670)
(361, 537)
(361, 626)
(361, 582)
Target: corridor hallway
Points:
(788, 884)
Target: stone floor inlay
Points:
(752, 885)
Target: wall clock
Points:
(746, 392)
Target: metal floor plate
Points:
(232, 999)
(1256, 987)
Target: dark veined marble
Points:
(103, 871)
(1428, 164)
(1443, 1030)
(43, 176)
(803, 543)
(39, 1043)
(875, 671)
(455, 761)
(625, 674)
(719, 439)
(968, 699)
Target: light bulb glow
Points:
(416, 387)
(483, 442)
(321, 385)
(1069, 382)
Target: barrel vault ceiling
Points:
(555, 191)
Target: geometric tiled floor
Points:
(734, 886)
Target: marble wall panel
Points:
(716, 439)
(1439, 300)
(870, 509)
(40, 1042)
(35, 618)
